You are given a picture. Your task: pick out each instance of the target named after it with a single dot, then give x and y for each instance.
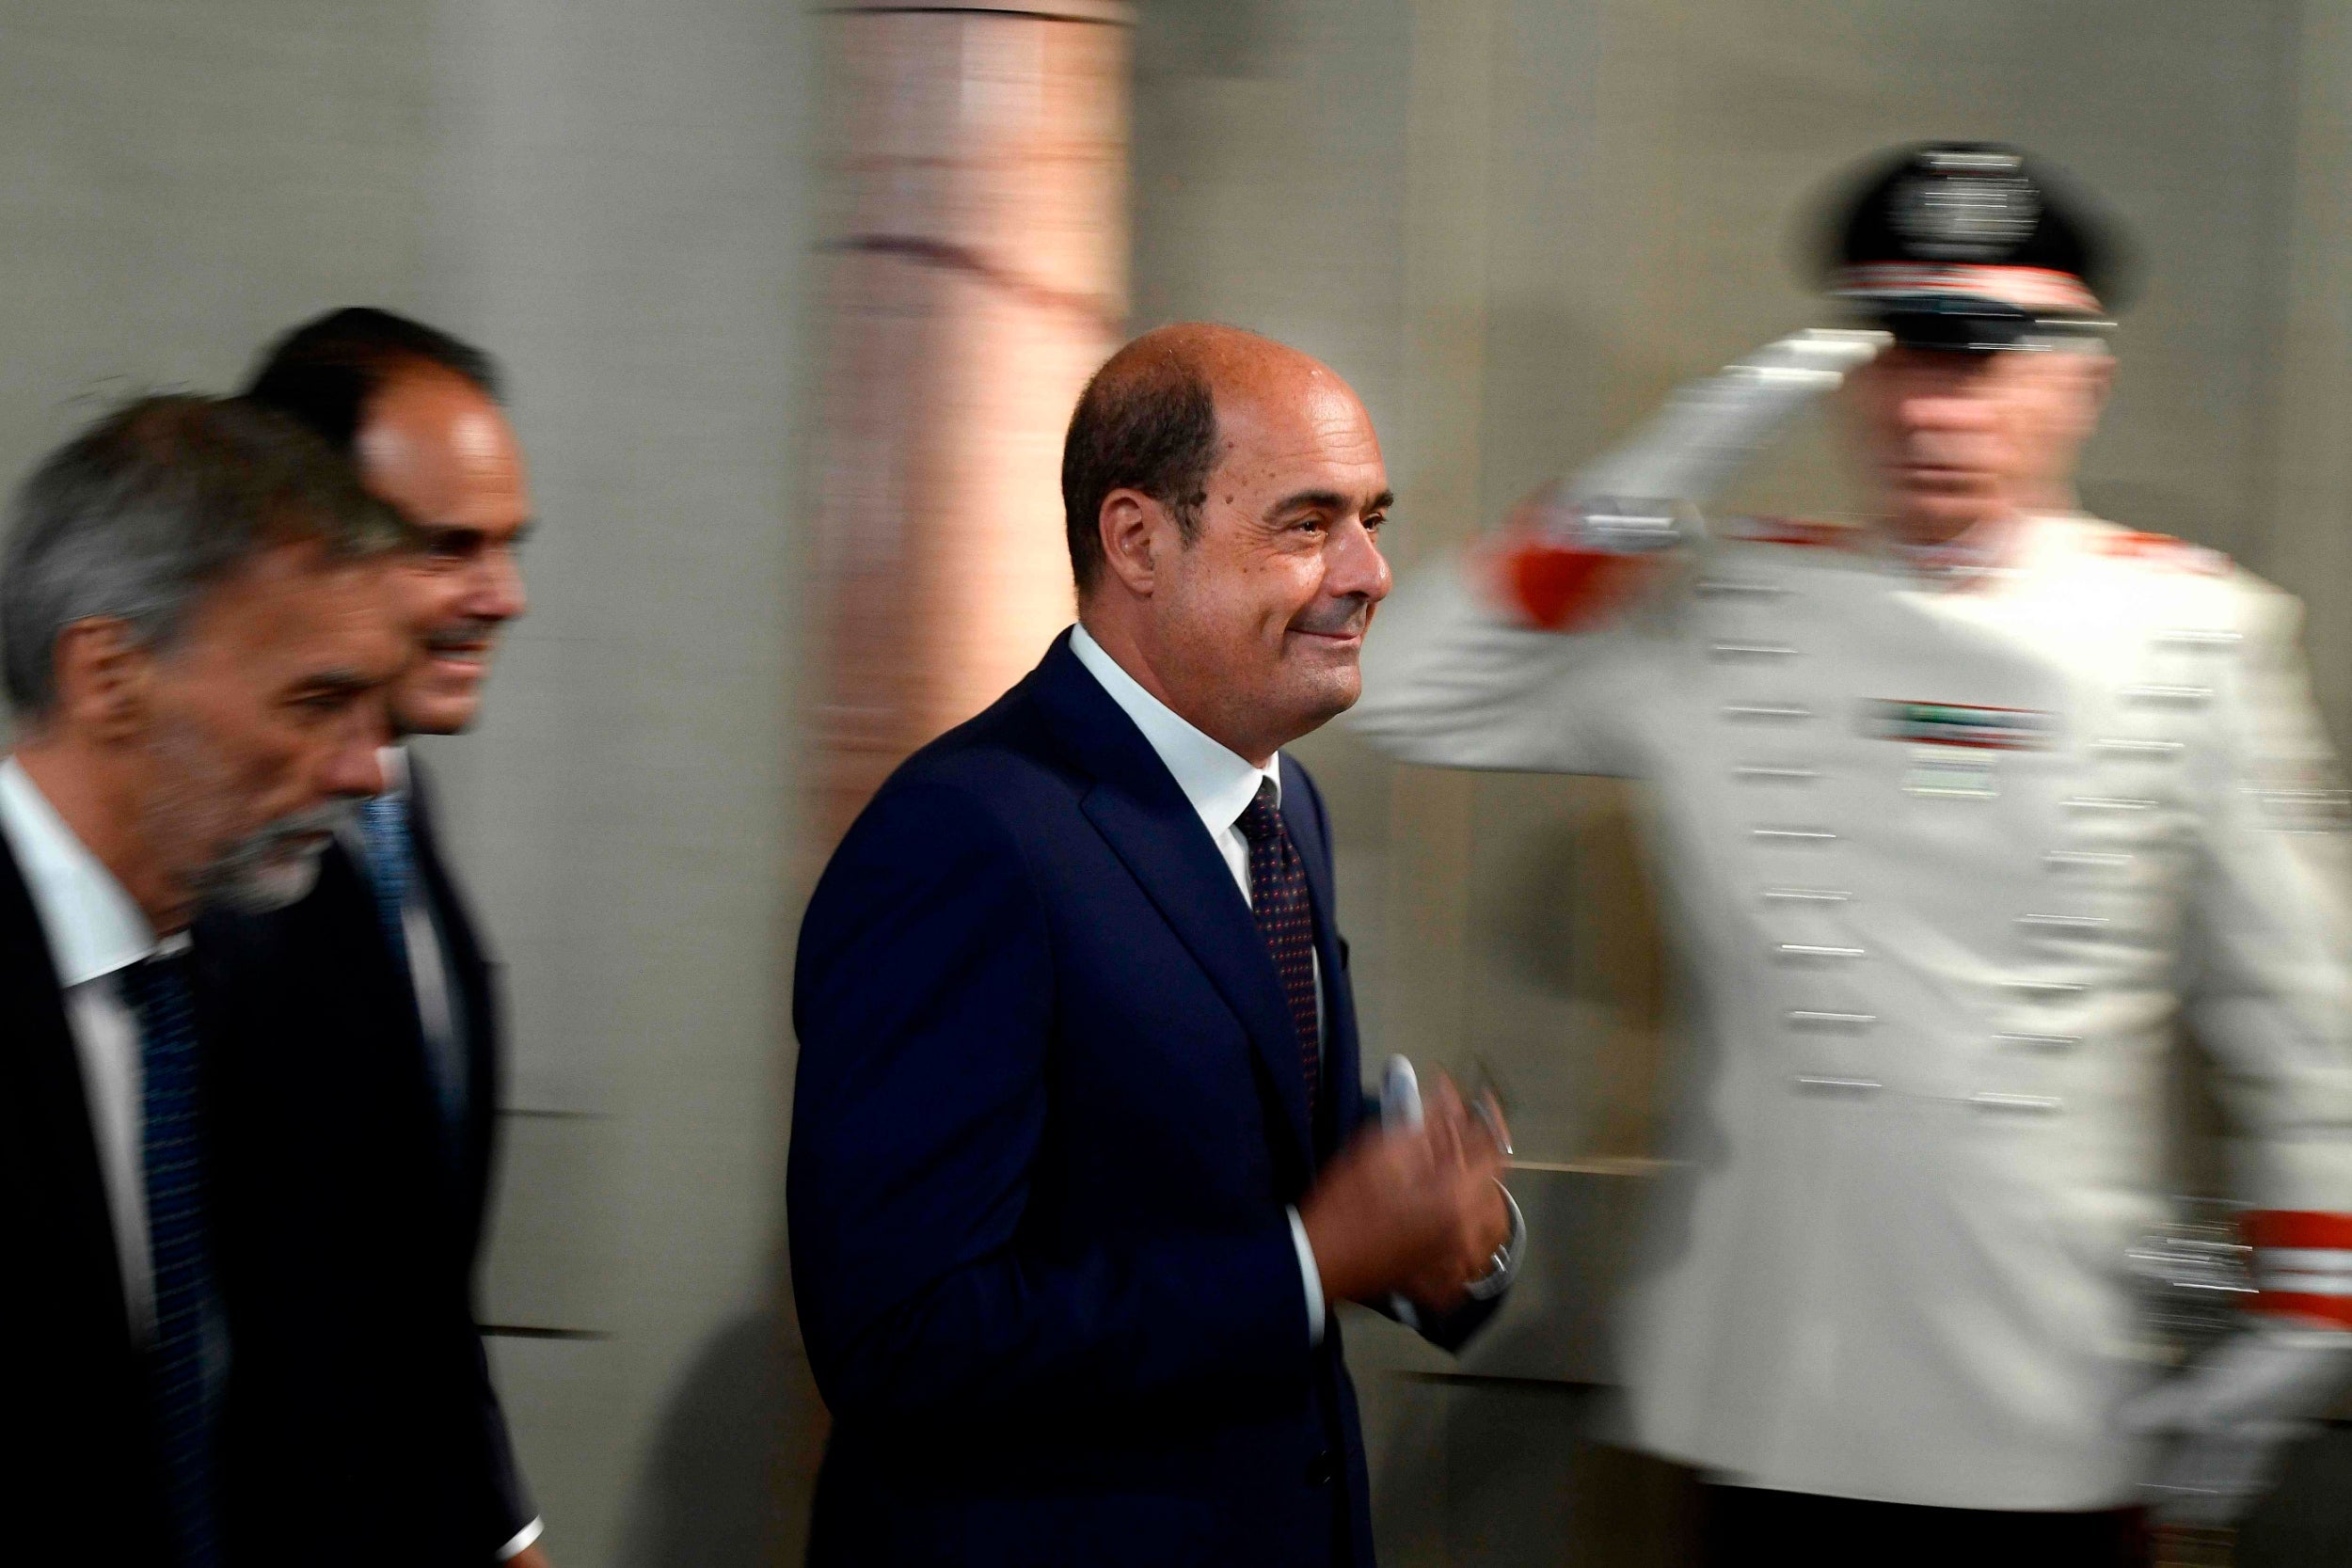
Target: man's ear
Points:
(1137, 533)
(2100, 376)
(2094, 378)
(106, 679)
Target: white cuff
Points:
(523, 1539)
(1311, 1276)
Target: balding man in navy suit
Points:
(1079, 1165)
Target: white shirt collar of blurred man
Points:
(94, 926)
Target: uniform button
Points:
(2080, 923)
(2170, 696)
(1322, 1468)
(1813, 1083)
(2112, 802)
(1735, 588)
(1814, 1017)
(2018, 1104)
(2128, 747)
(1768, 713)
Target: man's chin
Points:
(1933, 518)
(437, 711)
(264, 887)
(1331, 692)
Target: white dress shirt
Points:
(95, 932)
(1219, 785)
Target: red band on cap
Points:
(2026, 288)
(2297, 1228)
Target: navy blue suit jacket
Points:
(1048, 1118)
(87, 1486)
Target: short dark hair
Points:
(323, 372)
(140, 514)
(1146, 422)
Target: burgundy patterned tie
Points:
(1286, 919)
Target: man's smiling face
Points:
(439, 450)
(1266, 604)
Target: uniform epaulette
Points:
(2164, 551)
(1791, 531)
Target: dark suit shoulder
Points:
(1001, 767)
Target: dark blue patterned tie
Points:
(1286, 919)
(391, 868)
(157, 991)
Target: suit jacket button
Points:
(1321, 1469)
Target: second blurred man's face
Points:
(262, 724)
(441, 452)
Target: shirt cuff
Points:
(523, 1539)
(1309, 1277)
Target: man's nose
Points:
(496, 591)
(1355, 565)
(354, 766)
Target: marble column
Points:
(980, 243)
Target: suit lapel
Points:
(1141, 814)
(469, 980)
(1302, 815)
(42, 1065)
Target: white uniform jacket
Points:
(1943, 860)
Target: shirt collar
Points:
(1987, 550)
(94, 927)
(394, 761)
(1219, 782)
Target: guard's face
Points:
(1953, 439)
(442, 454)
(1264, 611)
(262, 725)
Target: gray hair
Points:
(139, 517)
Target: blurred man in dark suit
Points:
(198, 642)
(359, 1090)
(1076, 1163)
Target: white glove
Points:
(1629, 501)
(2231, 1416)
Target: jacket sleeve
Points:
(506, 1508)
(924, 1000)
(2271, 941)
(1453, 679)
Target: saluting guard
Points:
(1958, 815)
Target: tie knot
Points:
(158, 985)
(1262, 817)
